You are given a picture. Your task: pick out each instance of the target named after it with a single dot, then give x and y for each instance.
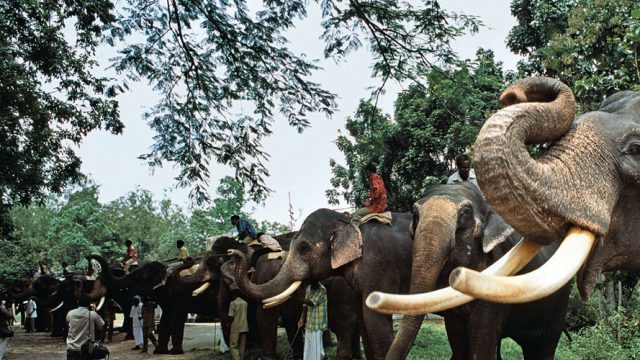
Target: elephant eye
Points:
(632, 149)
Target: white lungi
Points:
(313, 349)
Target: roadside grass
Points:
(431, 343)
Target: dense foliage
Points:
(205, 59)
(592, 45)
(67, 228)
(430, 127)
(51, 97)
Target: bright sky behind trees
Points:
(299, 163)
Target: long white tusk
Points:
(447, 298)
(100, 304)
(542, 282)
(285, 294)
(275, 303)
(201, 289)
(57, 307)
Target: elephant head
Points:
(588, 178)
(320, 247)
(452, 226)
(141, 280)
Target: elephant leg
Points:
(368, 350)
(267, 320)
(355, 343)
(290, 316)
(457, 336)
(491, 319)
(164, 331)
(345, 341)
(378, 327)
(177, 333)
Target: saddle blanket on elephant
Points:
(190, 271)
(276, 255)
(383, 217)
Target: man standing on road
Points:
(82, 323)
(315, 322)
(31, 310)
(239, 326)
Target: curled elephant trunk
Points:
(109, 279)
(274, 287)
(542, 198)
(537, 110)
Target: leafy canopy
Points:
(50, 96)
(205, 58)
(430, 127)
(592, 45)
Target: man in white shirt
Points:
(31, 312)
(464, 173)
(82, 324)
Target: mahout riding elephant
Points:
(453, 226)
(327, 245)
(582, 190)
(341, 304)
(263, 323)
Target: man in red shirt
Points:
(130, 256)
(377, 200)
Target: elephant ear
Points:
(496, 231)
(228, 274)
(346, 245)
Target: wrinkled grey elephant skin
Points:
(384, 266)
(588, 177)
(453, 226)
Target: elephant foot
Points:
(160, 351)
(175, 351)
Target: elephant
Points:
(454, 226)
(341, 307)
(186, 291)
(327, 245)
(54, 297)
(263, 323)
(114, 285)
(583, 190)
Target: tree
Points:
(203, 57)
(592, 45)
(417, 148)
(50, 96)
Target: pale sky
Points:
(299, 163)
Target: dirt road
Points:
(198, 338)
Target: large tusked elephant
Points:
(264, 321)
(326, 246)
(586, 185)
(453, 226)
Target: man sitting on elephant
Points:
(130, 256)
(246, 231)
(377, 200)
(464, 171)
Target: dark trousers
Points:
(147, 334)
(74, 354)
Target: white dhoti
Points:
(313, 348)
(138, 338)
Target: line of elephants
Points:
(585, 185)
